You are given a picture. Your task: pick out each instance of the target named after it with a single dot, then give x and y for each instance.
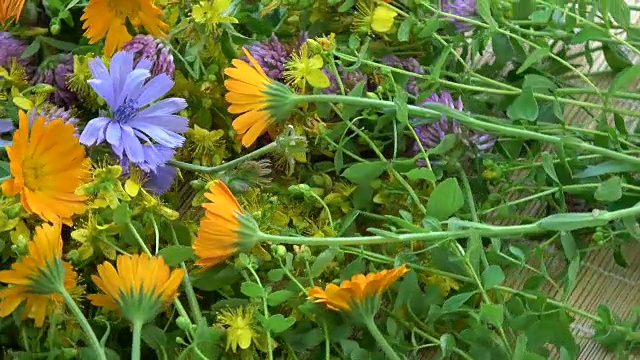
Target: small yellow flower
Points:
(105, 187)
(140, 287)
(383, 18)
(445, 283)
(241, 329)
(213, 12)
(304, 68)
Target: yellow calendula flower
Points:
(139, 287)
(356, 291)
(107, 19)
(213, 12)
(304, 68)
(10, 10)
(47, 165)
(38, 279)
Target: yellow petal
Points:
(317, 78)
(131, 187)
(383, 18)
(316, 62)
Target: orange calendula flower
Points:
(140, 287)
(10, 10)
(107, 18)
(357, 290)
(38, 278)
(218, 238)
(48, 164)
(247, 96)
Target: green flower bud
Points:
(183, 323)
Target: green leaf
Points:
(589, 33)
(346, 5)
(535, 57)
(153, 336)
(215, 278)
(404, 31)
(549, 168)
(31, 50)
(276, 274)
(619, 11)
(610, 190)
(521, 347)
(175, 254)
(447, 344)
(421, 174)
(618, 256)
(524, 107)
(278, 297)
(122, 214)
(615, 57)
(252, 289)
(402, 110)
(430, 26)
(571, 221)
(492, 313)
(624, 79)
(278, 323)
(58, 44)
(454, 302)
(361, 173)
(572, 275)
(323, 260)
(445, 200)
(607, 167)
(492, 276)
(483, 7)
(446, 144)
(568, 245)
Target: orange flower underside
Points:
(47, 166)
(246, 95)
(107, 18)
(135, 272)
(217, 239)
(356, 289)
(44, 248)
(10, 9)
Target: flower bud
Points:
(183, 323)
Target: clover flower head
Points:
(463, 8)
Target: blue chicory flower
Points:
(142, 133)
(6, 126)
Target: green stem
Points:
(265, 309)
(228, 165)
(84, 324)
(436, 110)
(382, 342)
(188, 288)
(136, 345)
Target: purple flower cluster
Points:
(431, 134)
(54, 72)
(140, 129)
(154, 50)
(13, 48)
(408, 64)
(50, 113)
(272, 54)
(463, 8)
(349, 79)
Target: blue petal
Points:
(160, 135)
(164, 107)
(121, 65)
(132, 145)
(161, 181)
(93, 132)
(153, 90)
(173, 123)
(98, 69)
(6, 125)
(144, 64)
(132, 84)
(114, 134)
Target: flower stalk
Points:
(135, 343)
(436, 110)
(228, 165)
(380, 339)
(84, 324)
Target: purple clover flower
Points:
(349, 79)
(431, 134)
(13, 48)
(407, 64)
(54, 73)
(272, 54)
(50, 113)
(152, 49)
(463, 8)
(144, 135)
(6, 126)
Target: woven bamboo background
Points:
(600, 279)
